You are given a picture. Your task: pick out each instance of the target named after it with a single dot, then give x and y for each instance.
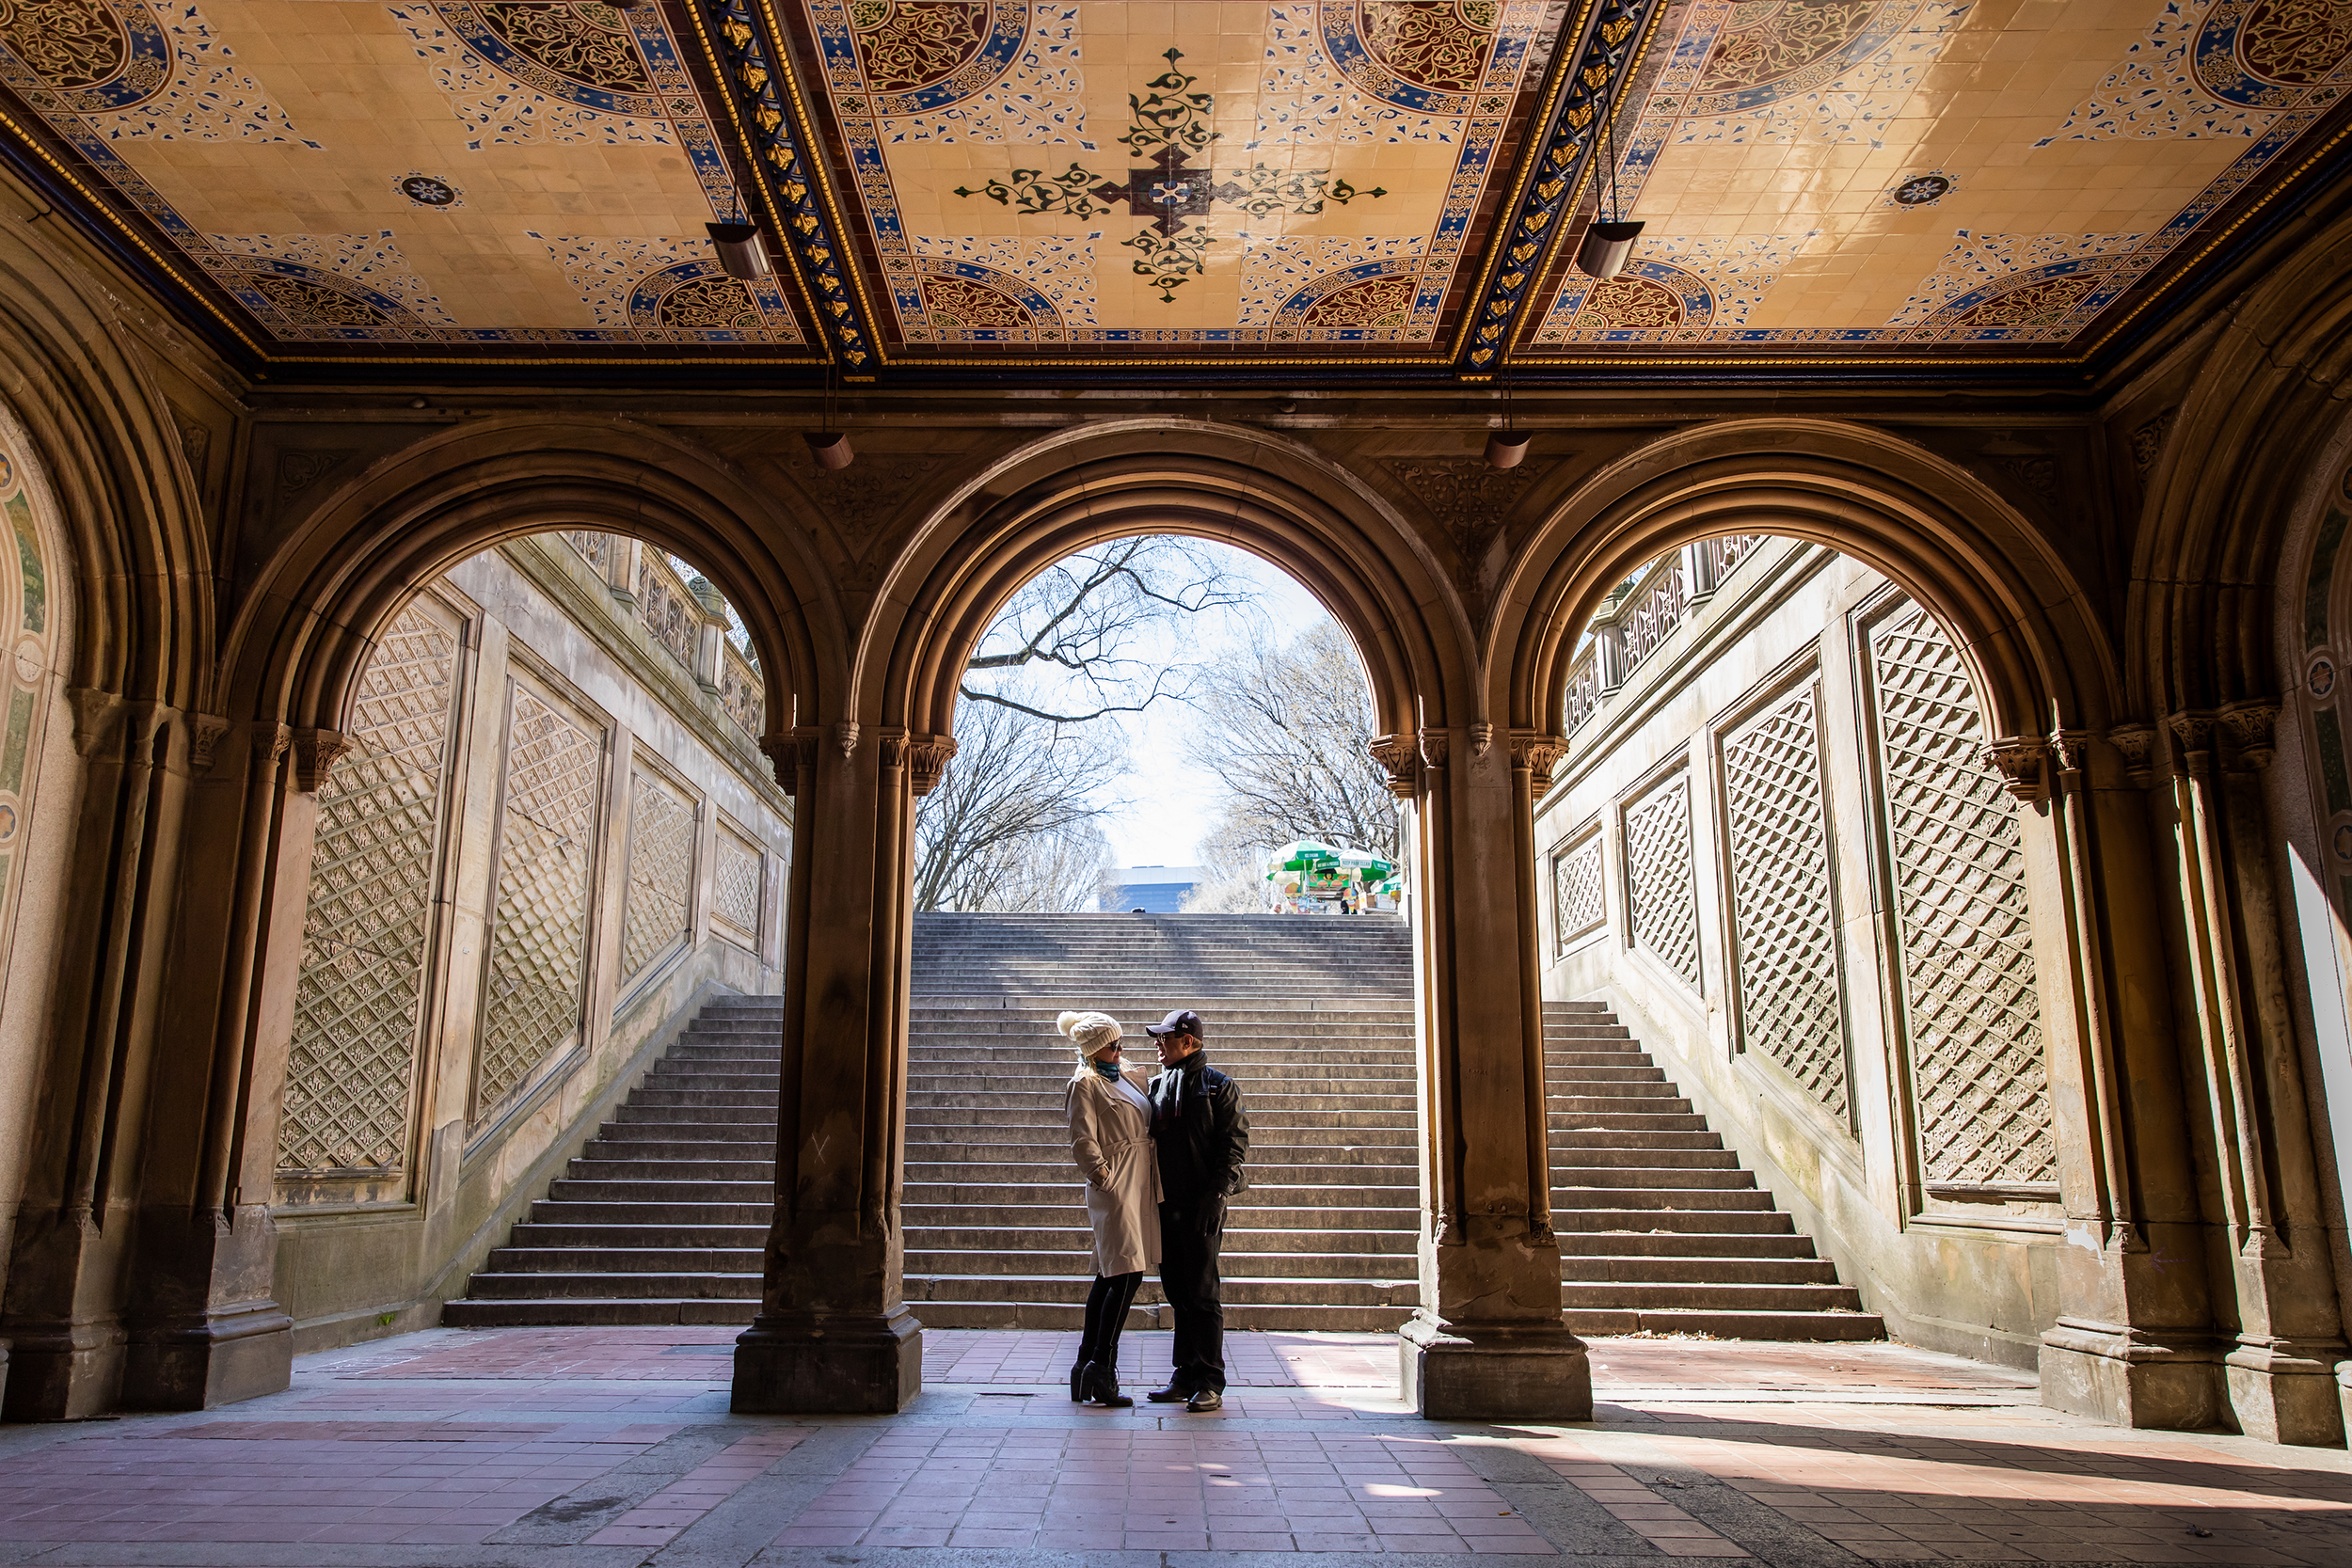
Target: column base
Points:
(2125, 1376)
(2285, 1392)
(1462, 1373)
(869, 1367)
(228, 1354)
(63, 1373)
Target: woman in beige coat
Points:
(1111, 1138)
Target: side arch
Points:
(2033, 649)
(1276, 500)
(307, 626)
(2269, 399)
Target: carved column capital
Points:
(270, 742)
(95, 712)
(2194, 732)
(1399, 759)
(2250, 728)
(929, 756)
(204, 733)
(2136, 742)
(1538, 753)
(1433, 746)
(893, 741)
(316, 752)
(2018, 758)
(790, 751)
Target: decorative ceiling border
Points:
(755, 76)
(1587, 85)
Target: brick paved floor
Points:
(608, 1448)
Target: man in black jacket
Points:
(1202, 1137)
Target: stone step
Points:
(1694, 1243)
(1809, 1324)
(1240, 1290)
(1715, 1295)
(1233, 1263)
(1644, 1269)
(604, 1311)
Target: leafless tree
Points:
(1284, 729)
(1102, 632)
(1015, 825)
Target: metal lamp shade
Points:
(829, 449)
(1606, 248)
(1505, 448)
(739, 250)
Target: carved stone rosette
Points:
(2018, 759)
(1538, 753)
(927, 755)
(1401, 760)
(316, 752)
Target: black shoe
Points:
(1103, 1387)
(1172, 1394)
(1207, 1399)
(1078, 1382)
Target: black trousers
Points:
(1106, 1314)
(1191, 1234)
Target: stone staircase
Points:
(1659, 1228)
(1312, 1015)
(663, 1217)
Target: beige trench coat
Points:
(1111, 1140)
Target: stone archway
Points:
(834, 1332)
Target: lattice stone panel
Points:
(539, 928)
(1576, 890)
(661, 872)
(1657, 873)
(1786, 968)
(1975, 1019)
(370, 919)
(594, 549)
(735, 880)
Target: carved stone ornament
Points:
(893, 741)
(316, 752)
(2194, 731)
(929, 756)
(845, 736)
(1397, 757)
(789, 751)
(94, 715)
(1433, 743)
(1482, 738)
(298, 470)
(1467, 496)
(2136, 742)
(2148, 442)
(1538, 753)
(2251, 729)
(2018, 759)
(270, 742)
(2071, 750)
(204, 733)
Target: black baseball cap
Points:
(1184, 1021)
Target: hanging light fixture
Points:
(1607, 247)
(831, 448)
(1505, 447)
(740, 252)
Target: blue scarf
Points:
(1108, 1069)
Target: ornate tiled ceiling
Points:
(1362, 184)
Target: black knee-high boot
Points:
(1090, 1338)
(1104, 1332)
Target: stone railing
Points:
(1637, 620)
(688, 620)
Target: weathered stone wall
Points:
(548, 839)
(1777, 848)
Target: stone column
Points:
(2280, 1370)
(833, 1333)
(620, 572)
(1609, 662)
(1488, 1341)
(72, 1252)
(2132, 1343)
(204, 1328)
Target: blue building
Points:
(1153, 889)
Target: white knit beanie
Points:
(1092, 1033)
